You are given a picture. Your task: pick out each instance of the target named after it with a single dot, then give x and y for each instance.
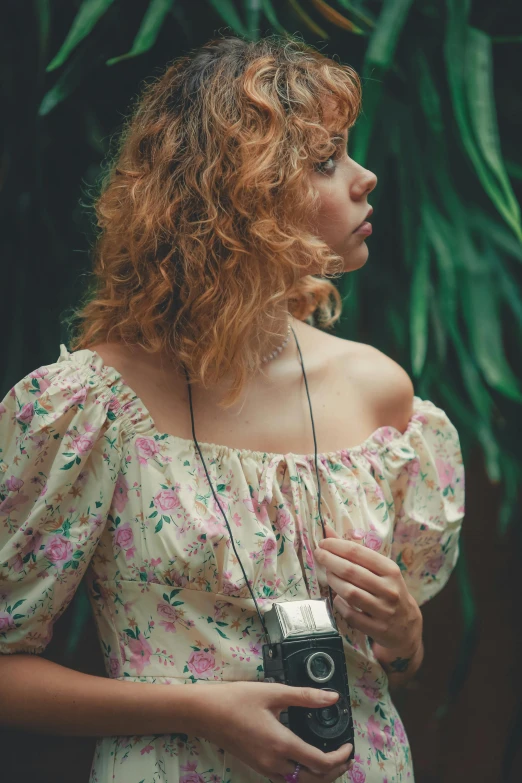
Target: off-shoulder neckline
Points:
(372, 440)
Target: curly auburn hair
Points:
(203, 209)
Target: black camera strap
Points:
(217, 499)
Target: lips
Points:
(370, 212)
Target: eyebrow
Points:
(339, 141)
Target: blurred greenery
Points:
(440, 126)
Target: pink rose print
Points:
(25, 414)
(140, 653)
(370, 687)
(124, 537)
(399, 732)
(357, 774)
(146, 448)
(373, 541)
(6, 622)
(78, 397)
(192, 776)
(413, 470)
(9, 504)
(177, 578)
(166, 500)
(58, 549)
(434, 564)
(388, 736)
(13, 484)
(257, 508)
(229, 588)
(33, 545)
(114, 666)
(446, 473)
(269, 547)
(384, 434)
(2, 409)
(171, 615)
(121, 489)
(201, 663)
(375, 734)
(404, 533)
(82, 444)
(283, 521)
(114, 404)
(40, 372)
(309, 556)
(214, 527)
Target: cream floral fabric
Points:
(89, 486)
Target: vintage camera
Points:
(306, 649)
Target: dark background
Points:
(441, 127)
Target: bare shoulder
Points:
(380, 380)
(388, 385)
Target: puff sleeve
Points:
(59, 460)
(427, 482)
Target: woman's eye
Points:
(320, 166)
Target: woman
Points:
(230, 202)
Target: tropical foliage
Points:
(442, 290)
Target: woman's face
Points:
(344, 187)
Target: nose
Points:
(364, 182)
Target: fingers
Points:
(360, 599)
(362, 555)
(295, 696)
(358, 620)
(337, 763)
(349, 571)
(316, 761)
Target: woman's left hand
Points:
(371, 593)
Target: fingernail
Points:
(328, 697)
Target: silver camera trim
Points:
(309, 670)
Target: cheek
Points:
(334, 218)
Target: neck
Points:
(276, 329)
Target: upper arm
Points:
(58, 467)
(389, 389)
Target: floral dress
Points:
(88, 486)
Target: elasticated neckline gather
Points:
(133, 410)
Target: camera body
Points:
(306, 649)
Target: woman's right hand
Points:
(243, 719)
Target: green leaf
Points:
(158, 526)
(228, 13)
(148, 31)
(366, 18)
(253, 16)
(88, 15)
(270, 14)
(467, 54)
(419, 304)
(483, 316)
(383, 42)
(483, 115)
(84, 61)
(308, 21)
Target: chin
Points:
(357, 258)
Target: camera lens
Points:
(328, 716)
(320, 667)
